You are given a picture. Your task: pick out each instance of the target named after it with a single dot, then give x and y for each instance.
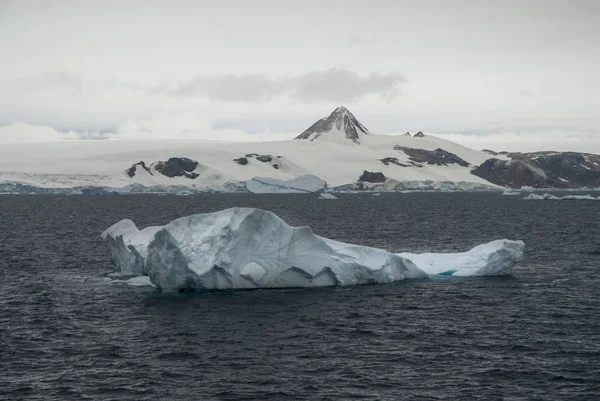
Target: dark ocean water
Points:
(67, 333)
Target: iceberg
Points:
(128, 246)
(246, 248)
(495, 258)
(566, 197)
(578, 197)
(541, 197)
(508, 192)
(303, 184)
(327, 196)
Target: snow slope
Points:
(102, 163)
(337, 156)
(243, 248)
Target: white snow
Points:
(302, 184)
(509, 192)
(327, 196)
(492, 259)
(102, 163)
(562, 179)
(566, 197)
(250, 248)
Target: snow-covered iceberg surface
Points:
(495, 258)
(248, 248)
(302, 184)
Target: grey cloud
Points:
(335, 84)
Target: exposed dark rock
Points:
(264, 158)
(342, 120)
(131, 170)
(392, 160)
(419, 135)
(368, 176)
(177, 167)
(543, 170)
(503, 152)
(438, 157)
(407, 133)
(241, 161)
(490, 152)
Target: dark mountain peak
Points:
(340, 121)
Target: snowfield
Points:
(103, 163)
(336, 150)
(244, 248)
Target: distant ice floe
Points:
(327, 196)
(509, 192)
(566, 197)
(245, 248)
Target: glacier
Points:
(246, 248)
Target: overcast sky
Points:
(506, 73)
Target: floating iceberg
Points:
(578, 197)
(244, 248)
(327, 196)
(302, 184)
(508, 192)
(495, 258)
(566, 197)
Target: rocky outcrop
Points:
(177, 167)
(133, 169)
(543, 170)
(392, 160)
(438, 157)
(373, 177)
(275, 161)
(419, 135)
(490, 152)
(341, 120)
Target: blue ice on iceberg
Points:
(245, 248)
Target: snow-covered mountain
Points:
(338, 150)
(340, 124)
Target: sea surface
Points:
(67, 332)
